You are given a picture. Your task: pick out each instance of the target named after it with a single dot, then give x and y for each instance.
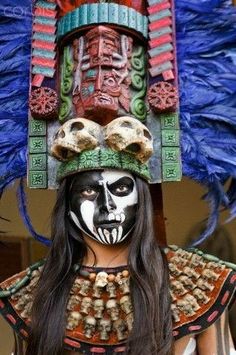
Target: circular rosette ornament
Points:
(162, 97)
(44, 104)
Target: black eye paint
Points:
(124, 182)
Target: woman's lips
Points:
(108, 224)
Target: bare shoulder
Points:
(216, 339)
(181, 345)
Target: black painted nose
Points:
(106, 202)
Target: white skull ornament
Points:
(104, 328)
(89, 326)
(73, 320)
(23, 301)
(120, 328)
(124, 285)
(84, 287)
(76, 285)
(175, 313)
(201, 296)
(111, 289)
(86, 305)
(113, 309)
(204, 285)
(101, 279)
(97, 291)
(129, 321)
(129, 135)
(27, 310)
(98, 306)
(74, 300)
(126, 305)
(186, 307)
(74, 136)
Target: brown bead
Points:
(92, 276)
(125, 273)
(111, 278)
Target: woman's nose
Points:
(107, 202)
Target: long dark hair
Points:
(152, 328)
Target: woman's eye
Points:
(88, 192)
(122, 188)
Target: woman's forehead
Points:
(98, 176)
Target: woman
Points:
(102, 223)
(103, 219)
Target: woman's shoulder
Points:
(202, 287)
(16, 298)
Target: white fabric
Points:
(191, 347)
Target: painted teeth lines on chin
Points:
(112, 237)
(118, 217)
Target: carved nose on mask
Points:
(98, 83)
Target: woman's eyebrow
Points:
(124, 180)
(85, 185)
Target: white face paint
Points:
(103, 204)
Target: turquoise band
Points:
(103, 159)
(46, 5)
(104, 13)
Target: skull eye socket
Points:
(63, 153)
(133, 148)
(147, 134)
(66, 153)
(60, 134)
(77, 126)
(126, 124)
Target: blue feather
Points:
(15, 48)
(24, 215)
(206, 43)
(214, 197)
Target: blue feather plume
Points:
(15, 47)
(15, 50)
(206, 44)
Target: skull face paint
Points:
(103, 204)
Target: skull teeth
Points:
(111, 216)
(122, 215)
(106, 233)
(114, 234)
(110, 237)
(120, 230)
(103, 240)
(118, 217)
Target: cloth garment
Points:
(191, 348)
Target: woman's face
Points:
(103, 204)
